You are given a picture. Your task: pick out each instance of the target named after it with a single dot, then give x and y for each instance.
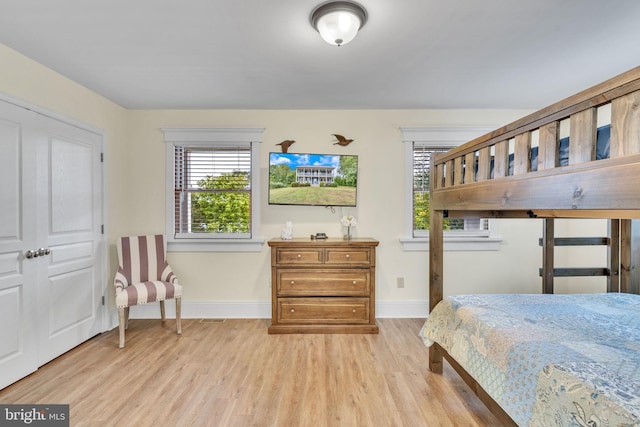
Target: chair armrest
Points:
(120, 281)
(168, 275)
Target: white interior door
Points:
(51, 280)
(69, 228)
(18, 334)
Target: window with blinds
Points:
(212, 191)
(422, 156)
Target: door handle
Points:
(38, 252)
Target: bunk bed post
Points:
(548, 244)
(625, 256)
(613, 256)
(436, 251)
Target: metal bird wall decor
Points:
(341, 140)
(285, 145)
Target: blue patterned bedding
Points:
(548, 360)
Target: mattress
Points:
(548, 360)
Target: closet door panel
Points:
(70, 290)
(10, 155)
(71, 186)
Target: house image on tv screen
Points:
(313, 179)
(315, 175)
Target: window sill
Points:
(467, 243)
(218, 245)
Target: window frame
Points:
(442, 137)
(214, 137)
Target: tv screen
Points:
(312, 179)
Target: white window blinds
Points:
(212, 191)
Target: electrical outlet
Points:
(400, 282)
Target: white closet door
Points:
(18, 317)
(69, 227)
(57, 206)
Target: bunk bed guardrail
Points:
(550, 187)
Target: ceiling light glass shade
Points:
(338, 22)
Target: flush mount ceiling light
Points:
(338, 22)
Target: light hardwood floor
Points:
(235, 374)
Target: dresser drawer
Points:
(298, 256)
(323, 310)
(348, 256)
(325, 282)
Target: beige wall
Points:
(380, 210)
(135, 180)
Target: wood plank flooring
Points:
(235, 374)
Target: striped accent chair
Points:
(143, 276)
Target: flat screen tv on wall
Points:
(313, 179)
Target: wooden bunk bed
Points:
(476, 180)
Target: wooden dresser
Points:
(323, 286)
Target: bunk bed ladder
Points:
(619, 257)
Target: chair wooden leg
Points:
(126, 317)
(162, 315)
(121, 324)
(178, 315)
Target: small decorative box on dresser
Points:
(323, 286)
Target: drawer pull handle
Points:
(354, 282)
(292, 310)
(293, 282)
(354, 310)
(347, 255)
(299, 256)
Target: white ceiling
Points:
(264, 54)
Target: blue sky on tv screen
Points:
(294, 160)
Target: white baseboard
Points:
(407, 309)
(258, 310)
